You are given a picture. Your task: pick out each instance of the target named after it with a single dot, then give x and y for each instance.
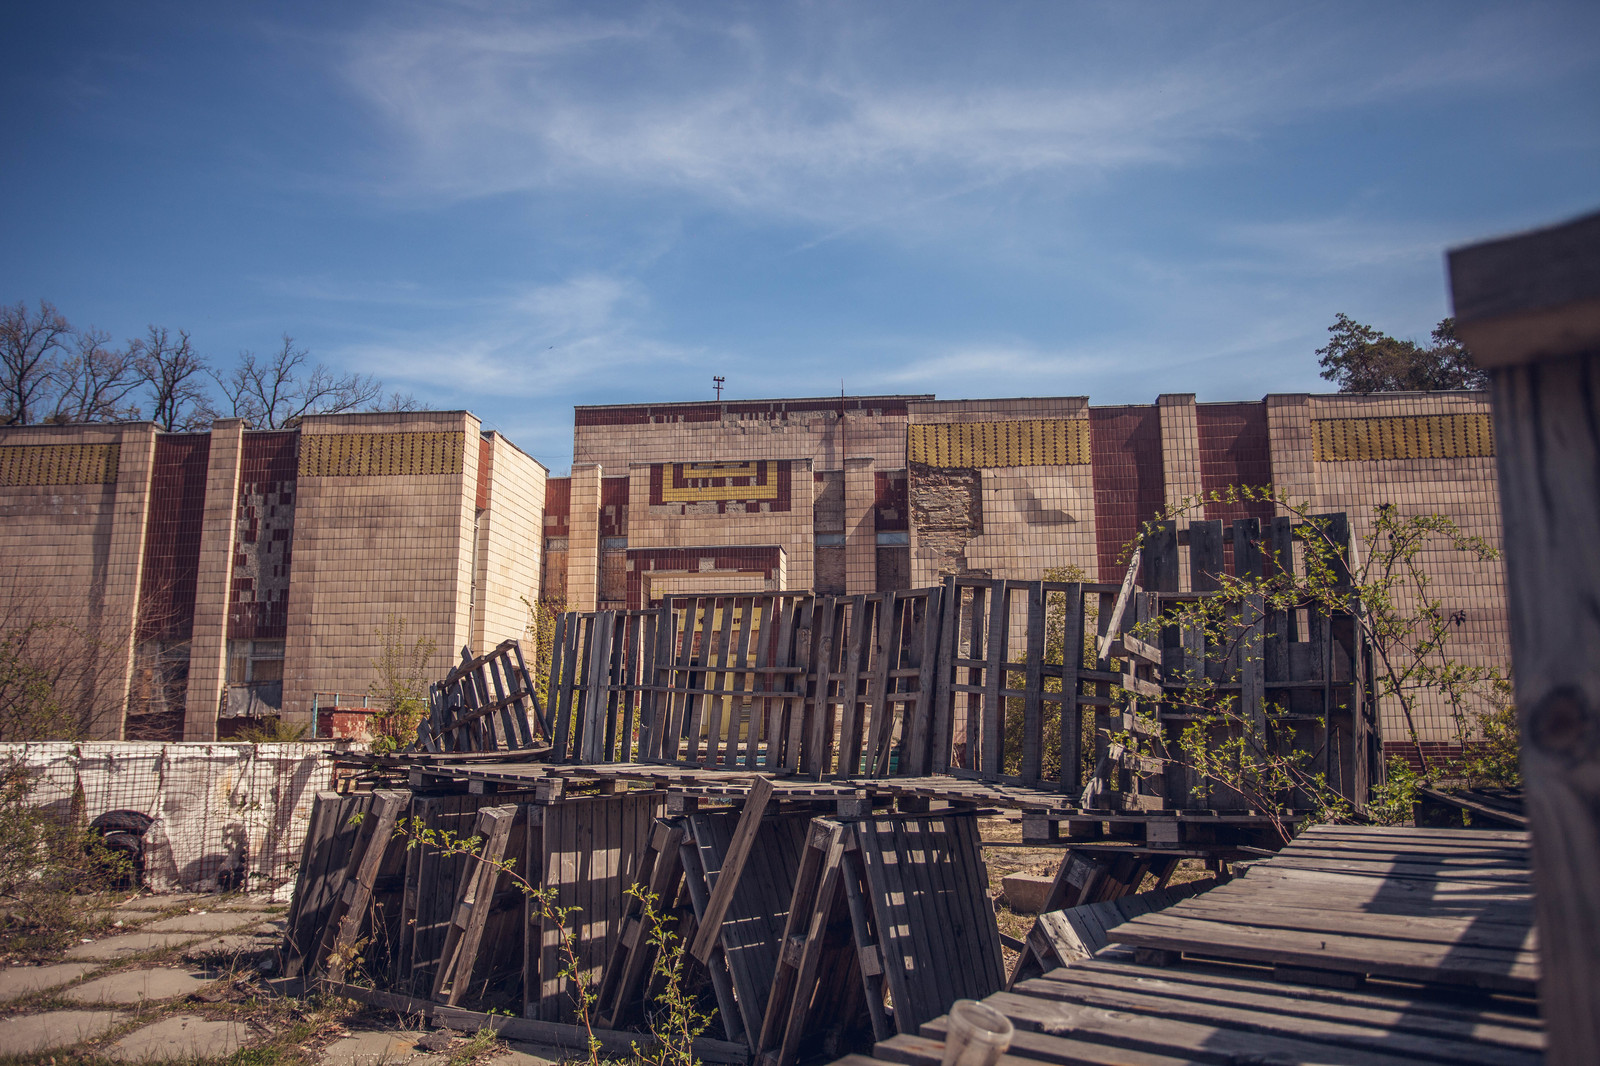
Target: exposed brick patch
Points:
(946, 505)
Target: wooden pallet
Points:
(1115, 1011)
(1439, 907)
(477, 900)
(483, 704)
(1071, 934)
(889, 923)
(324, 857)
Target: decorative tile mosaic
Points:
(1343, 440)
(381, 454)
(1034, 442)
(59, 464)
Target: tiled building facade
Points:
(248, 571)
(906, 489)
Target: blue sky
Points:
(515, 208)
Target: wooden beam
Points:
(1529, 307)
(744, 836)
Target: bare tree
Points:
(96, 382)
(30, 347)
(175, 375)
(278, 391)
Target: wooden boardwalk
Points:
(1354, 945)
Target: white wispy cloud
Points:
(487, 100)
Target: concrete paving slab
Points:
(118, 914)
(209, 922)
(379, 1048)
(29, 1034)
(137, 986)
(182, 1036)
(19, 981)
(531, 1055)
(163, 902)
(116, 947)
(233, 944)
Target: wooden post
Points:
(1528, 308)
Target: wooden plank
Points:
(859, 648)
(1206, 557)
(1433, 964)
(923, 715)
(1154, 1034)
(357, 895)
(761, 704)
(473, 905)
(880, 724)
(1071, 740)
(991, 762)
(1415, 1013)
(1032, 764)
(755, 805)
(818, 919)
(943, 739)
(1260, 1014)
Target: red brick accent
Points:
(485, 470)
(745, 560)
(711, 411)
(1129, 483)
(268, 471)
(1235, 449)
(558, 507)
(614, 506)
(172, 538)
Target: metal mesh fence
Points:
(222, 816)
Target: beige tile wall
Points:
(583, 541)
(74, 553)
(366, 548)
(1461, 489)
(819, 436)
(860, 528)
(695, 525)
(510, 544)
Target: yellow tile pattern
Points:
(1042, 442)
(1344, 440)
(698, 485)
(380, 454)
(59, 464)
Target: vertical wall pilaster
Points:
(1180, 463)
(208, 648)
(1180, 448)
(1289, 431)
(860, 530)
(583, 543)
(124, 568)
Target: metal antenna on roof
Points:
(716, 383)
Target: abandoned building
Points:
(250, 572)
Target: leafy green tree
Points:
(1358, 358)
